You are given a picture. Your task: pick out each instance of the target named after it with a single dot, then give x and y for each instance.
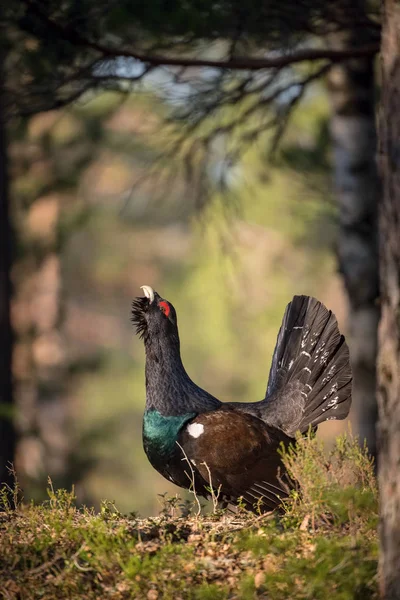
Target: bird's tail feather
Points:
(311, 358)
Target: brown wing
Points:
(239, 453)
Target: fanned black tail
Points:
(310, 377)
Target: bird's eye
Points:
(164, 307)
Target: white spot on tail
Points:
(193, 461)
(333, 404)
(195, 429)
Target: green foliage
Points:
(56, 550)
(336, 487)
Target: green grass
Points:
(323, 546)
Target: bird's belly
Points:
(170, 468)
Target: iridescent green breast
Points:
(160, 434)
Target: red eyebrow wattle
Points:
(166, 308)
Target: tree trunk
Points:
(40, 363)
(351, 87)
(7, 437)
(389, 330)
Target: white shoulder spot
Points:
(195, 429)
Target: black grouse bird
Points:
(194, 440)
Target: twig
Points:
(214, 497)
(191, 479)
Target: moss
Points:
(328, 566)
(211, 591)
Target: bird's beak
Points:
(148, 292)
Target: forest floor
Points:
(324, 545)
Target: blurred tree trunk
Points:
(46, 163)
(353, 131)
(389, 330)
(40, 366)
(7, 436)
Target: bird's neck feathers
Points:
(164, 350)
(163, 360)
(165, 373)
(169, 389)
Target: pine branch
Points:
(238, 63)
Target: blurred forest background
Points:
(171, 183)
(89, 235)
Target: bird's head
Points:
(154, 317)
